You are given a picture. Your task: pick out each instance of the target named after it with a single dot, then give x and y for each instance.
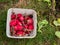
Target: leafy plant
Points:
(48, 1)
(41, 24)
(57, 33)
(56, 23)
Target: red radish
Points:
(31, 16)
(31, 27)
(30, 21)
(20, 33)
(22, 25)
(26, 26)
(13, 16)
(13, 23)
(18, 22)
(27, 32)
(18, 27)
(27, 17)
(19, 15)
(21, 18)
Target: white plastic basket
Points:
(22, 11)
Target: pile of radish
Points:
(21, 25)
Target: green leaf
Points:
(49, 4)
(56, 23)
(47, 0)
(44, 22)
(39, 30)
(41, 24)
(57, 33)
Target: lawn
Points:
(43, 9)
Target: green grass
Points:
(47, 37)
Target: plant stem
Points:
(53, 8)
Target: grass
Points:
(47, 37)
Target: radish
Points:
(13, 23)
(21, 18)
(26, 26)
(20, 33)
(18, 22)
(13, 16)
(19, 15)
(22, 25)
(30, 21)
(18, 27)
(30, 28)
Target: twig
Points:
(53, 5)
